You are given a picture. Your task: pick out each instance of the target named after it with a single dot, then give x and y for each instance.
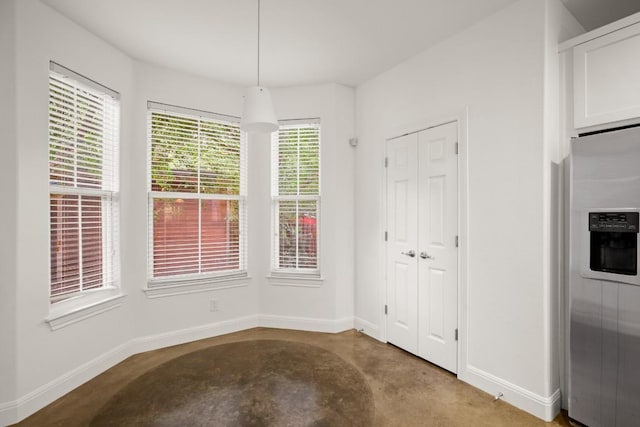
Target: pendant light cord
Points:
(258, 42)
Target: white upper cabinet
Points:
(607, 78)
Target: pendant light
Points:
(258, 114)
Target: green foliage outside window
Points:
(194, 155)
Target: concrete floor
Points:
(295, 378)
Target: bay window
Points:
(197, 206)
(295, 190)
(83, 184)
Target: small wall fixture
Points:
(258, 115)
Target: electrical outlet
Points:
(213, 305)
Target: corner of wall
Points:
(345, 130)
(560, 25)
(544, 407)
(8, 214)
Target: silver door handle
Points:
(424, 255)
(411, 253)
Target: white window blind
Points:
(197, 195)
(83, 182)
(295, 192)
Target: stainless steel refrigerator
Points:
(604, 382)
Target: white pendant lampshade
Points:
(258, 114)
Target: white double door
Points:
(422, 255)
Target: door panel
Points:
(401, 279)
(400, 224)
(437, 229)
(402, 221)
(436, 299)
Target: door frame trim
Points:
(461, 118)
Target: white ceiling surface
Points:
(302, 41)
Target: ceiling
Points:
(596, 13)
(302, 41)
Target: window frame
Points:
(195, 282)
(109, 193)
(311, 277)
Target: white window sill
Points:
(165, 288)
(76, 309)
(299, 280)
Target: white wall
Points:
(8, 211)
(38, 365)
(331, 302)
(159, 315)
(497, 69)
(340, 188)
(45, 357)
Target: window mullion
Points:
(199, 142)
(297, 201)
(200, 236)
(80, 246)
(105, 217)
(107, 229)
(201, 196)
(75, 136)
(275, 235)
(297, 231)
(227, 243)
(76, 143)
(298, 162)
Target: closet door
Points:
(421, 251)
(402, 242)
(438, 253)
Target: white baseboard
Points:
(182, 336)
(306, 324)
(8, 413)
(542, 407)
(15, 411)
(12, 412)
(368, 328)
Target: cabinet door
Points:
(607, 78)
